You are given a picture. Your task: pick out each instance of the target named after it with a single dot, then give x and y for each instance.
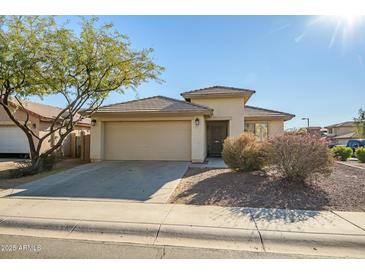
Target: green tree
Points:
(360, 123)
(39, 57)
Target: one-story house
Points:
(318, 131)
(342, 132)
(163, 128)
(14, 141)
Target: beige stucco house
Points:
(342, 132)
(14, 141)
(162, 128)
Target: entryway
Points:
(217, 131)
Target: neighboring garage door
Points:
(13, 140)
(157, 140)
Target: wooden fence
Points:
(80, 146)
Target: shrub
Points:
(50, 161)
(25, 168)
(297, 157)
(22, 169)
(360, 154)
(342, 153)
(243, 153)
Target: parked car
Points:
(355, 143)
(330, 141)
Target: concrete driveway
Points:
(144, 181)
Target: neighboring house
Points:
(313, 130)
(14, 141)
(162, 128)
(342, 132)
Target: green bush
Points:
(243, 153)
(360, 154)
(342, 153)
(296, 157)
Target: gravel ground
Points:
(343, 190)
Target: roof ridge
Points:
(185, 102)
(157, 96)
(217, 86)
(158, 101)
(39, 109)
(130, 101)
(260, 108)
(339, 124)
(32, 102)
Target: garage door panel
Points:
(13, 140)
(163, 140)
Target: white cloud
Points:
(280, 28)
(299, 37)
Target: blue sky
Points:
(296, 64)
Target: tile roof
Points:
(46, 111)
(158, 104)
(218, 90)
(346, 136)
(343, 124)
(251, 111)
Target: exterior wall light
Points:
(197, 121)
(93, 122)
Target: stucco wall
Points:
(41, 129)
(51, 140)
(275, 128)
(231, 109)
(198, 140)
(20, 116)
(344, 130)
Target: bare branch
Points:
(4, 104)
(27, 118)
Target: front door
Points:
(217, 131)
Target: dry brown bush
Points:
(298, 157)
(243, 153)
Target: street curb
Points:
(191, 236)
(349, 165)
(79, 226)
(209, 237)
(315, 243)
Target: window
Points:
(259, 129)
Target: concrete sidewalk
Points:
(336, 234)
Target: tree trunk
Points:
(38, 164)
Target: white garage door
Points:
(13, 140)
(157, 140)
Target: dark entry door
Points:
(217, 131)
